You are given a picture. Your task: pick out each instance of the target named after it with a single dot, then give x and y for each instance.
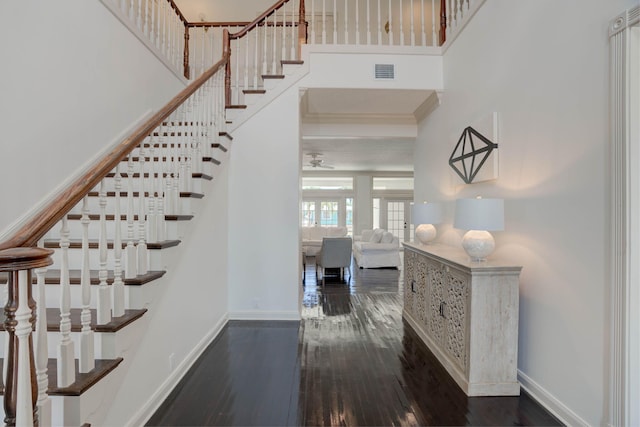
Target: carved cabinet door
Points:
(409, 281)
(456, 314)
(436, 284)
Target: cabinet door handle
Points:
(413, 286)
(443, 308)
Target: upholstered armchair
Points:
(335, 252)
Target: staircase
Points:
(96, 280)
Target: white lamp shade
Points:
(427, 213)
(479, 214)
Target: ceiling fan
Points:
(315, 162)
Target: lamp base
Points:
(478, 244)
(425, 233)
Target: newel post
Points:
(185, 60)
(302, 28)
(443, 21)
(21, 390)
(226, 47)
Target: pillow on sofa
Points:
(376, 237)
(366, 235)
(387, 237)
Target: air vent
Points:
(385, 71)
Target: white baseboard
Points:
(550, 402)
(154, 402)
(264, 315)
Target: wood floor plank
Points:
(351, 361)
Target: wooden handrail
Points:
(256, 21)
(32, 231)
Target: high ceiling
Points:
(362, 129)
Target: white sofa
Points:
(376, 248)
(312, 237)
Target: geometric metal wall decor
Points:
(470, 154)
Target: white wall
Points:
(542, 65)
(223, 10)
(264, 213)
(69, 86)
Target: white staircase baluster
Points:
(237, 76)
(255, 58)
(379, 24)
(401, 23)
(86, 362)
(142, 244)
(368, 22)
(313, 21)
(146, 19)
(104, 294)
(131, 266)
(42, 353)
(132, 13)
(292, 55)
(264, 48)
(118, 284)
(324, 23)
(458, 11)
(274, 48)
(152, 225)
(154, 31)
(66, 362)
(346, 21)
(163, 36)
(23, 328)
(283, 54)
(246, 61)
(411, 25)
(422, 24)
(160, 226)
(390, 21)
(123, 6)
(203, 64)
(434, 33)
(139, 17)
(335, 23)
(357, 22)
(449, 18)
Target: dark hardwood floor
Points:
(352, 361)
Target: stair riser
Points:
(233, 113)
(174, 230)
(288, 69)
(158, 184)
(252, 98)
(270, 84)
(167, 167)
(155, 259)
(134, 296)
(184, 206)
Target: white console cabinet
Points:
(467, 314)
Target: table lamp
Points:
(424, 216)
(479, 216)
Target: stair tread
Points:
(93, 244)
(123, 217)
(185, 194)
(83, 381)
(117, 323)
(292, 61)
(236, 106)
(52, 277)
(222, 147)
(227, 135)
(254, 91)
(273, 76)
(157, 159)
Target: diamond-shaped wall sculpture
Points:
(470, 153)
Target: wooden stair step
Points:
(123, 217)
(272, 76)
(117, 323)
(226, 135)
(83, 381)
(168, 144)
(254, 91)
(52, 277)
(292, 61)
(93, 244)
(222, 147)
(164, 159)
(197, 175)
(211, 160)
(185, 194)
(235, 106)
